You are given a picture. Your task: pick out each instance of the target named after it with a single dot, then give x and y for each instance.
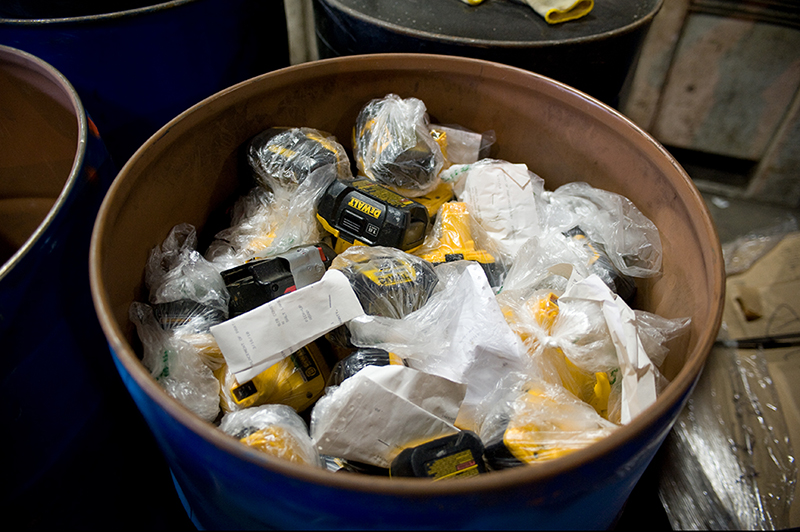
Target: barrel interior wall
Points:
(38, 139)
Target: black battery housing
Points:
(187, 313)
(366, 213)
(391, 286)
(457, 455)
(358, 360)
(254, 283)
(286, 156)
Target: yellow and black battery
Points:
(539, 427)
(391, 149)
(387, 282)
(455, 242)
(275, 440)
(599, 263)
(190, 321)
(187, 314)
(296, 381)
(254, 283)
(284, 157)
(358, 360)
(361, 212)
(457, 455)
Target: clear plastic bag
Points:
(460, 145)
(188, 296)
(276, 430)
(459, 334)
(657, 331)
(282, 158)
(190, 322)
(388, 282)
(393, 147)
(546, 262)
(630, 239)
(252, 230)
(176, 271)
(525, 421)
(570, 342)
(504, 198)
(175, 364)
(266, 224)
(592, 344)
(358, 360)
(456, 235)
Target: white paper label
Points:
(255, 340)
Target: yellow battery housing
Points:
(296, 381)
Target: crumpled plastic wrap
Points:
(582, 340)
(546, 262)
(266, 224)
(630, 239)
(504, 198)
(188, 296)
(460, 145)
(393, 146)
(526, 421)
(728, 463)
(176, 364)
(570, 342)
(459, 334)
(176, 270)
(276, 430)
(740, 254)
(282, 158)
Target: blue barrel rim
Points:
(102, 17)
(59, 79)
(525, 45)
(671, 396)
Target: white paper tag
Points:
(255, 340)
(372, 416)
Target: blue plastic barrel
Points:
(560, 133)
(136, 64)
(54, 172)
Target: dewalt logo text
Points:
(365, 207)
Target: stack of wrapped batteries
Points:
(414, 309)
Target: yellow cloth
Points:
(554, 11)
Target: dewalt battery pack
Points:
(254, 283)
(296, 381)
(387, 282)
(187, 313)
(392, 145)
(284, 157)
(458, 455)
(364, 213)
(355, 362)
